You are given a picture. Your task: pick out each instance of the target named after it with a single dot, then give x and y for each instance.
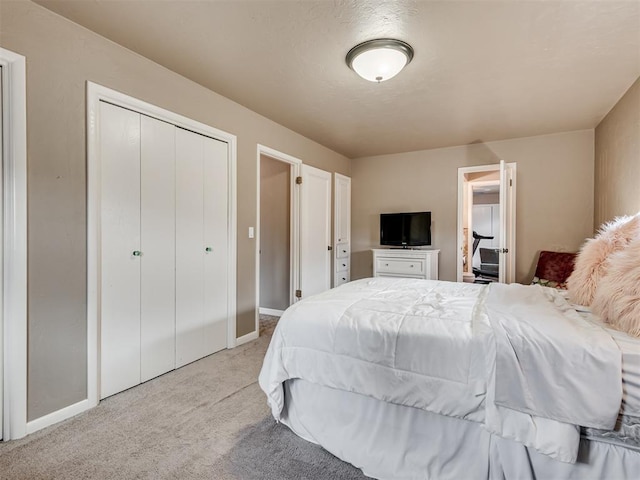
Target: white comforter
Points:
(514, 358)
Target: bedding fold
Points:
(550, 361)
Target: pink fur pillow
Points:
(617, 299)
(591, 264)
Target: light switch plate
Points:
(251, 232)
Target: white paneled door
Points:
(216, 246)
(315, 231)
(201, 246)
(507, 268)
(164, 247)
(157, 242)
(120, 327)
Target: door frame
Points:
(511, 214)
(294, 226)
(13, 315)
(95, 94)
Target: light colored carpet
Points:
(207, 420)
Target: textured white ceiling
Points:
(483, 70)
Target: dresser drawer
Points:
(400, 266)
(342, 250)
(341, 277)
(410, 263)
(342, 264)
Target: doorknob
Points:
(137, 253)
(208, 249)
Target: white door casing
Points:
(315, 231)
(13, 204)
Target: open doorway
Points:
(277, 241)
(486, 223)
(275, 236)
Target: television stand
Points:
(404, 262)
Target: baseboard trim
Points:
(57, 416)
(246, 338)
(270, 311)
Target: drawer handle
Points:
(412, 265)
(386, 264)
(344, 264)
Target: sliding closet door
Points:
(157, 230)
(201, 246)
(120, 244)
(216, 258)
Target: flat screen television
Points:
(410, 229)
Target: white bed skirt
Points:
(389, 441)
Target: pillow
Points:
(553, 269)
(617, 299)
(591, 263)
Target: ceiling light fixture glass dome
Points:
(379, 60)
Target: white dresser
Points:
(399, 262)
(342, 229)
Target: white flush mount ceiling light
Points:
(379, 60)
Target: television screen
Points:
(411, 229)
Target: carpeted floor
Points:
(207, 420)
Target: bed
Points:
(424, 379)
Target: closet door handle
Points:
(208, 249)
(137, 253)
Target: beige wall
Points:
(617, 159)
(554, 195)
(61, 57)
(275, 218)
(486, 198)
